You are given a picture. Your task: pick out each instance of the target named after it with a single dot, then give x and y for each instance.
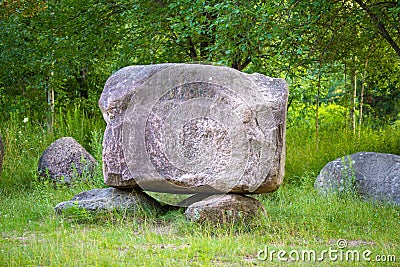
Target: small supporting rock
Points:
(229, 208)
(110, 199)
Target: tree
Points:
(68, 48)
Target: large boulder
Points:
(374, 176)
(110, 199)
(1, 154)
(228, 208)
(65, 160)
(189, 128)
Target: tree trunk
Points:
(50, 96)
(317, 107)
(81, 78)
(345, 95)
(50, 102)
(354, 101)
(362, 96)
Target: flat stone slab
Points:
(110, 199)
(229, 208)
(374, 176)
(190, 128)
(65, 160)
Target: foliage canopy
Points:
(54, 53)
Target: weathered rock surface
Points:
(188, 128)
(229, 208)
(65, 160)
(110, 199)
(193, 199)
(1, 154)
(374, 176)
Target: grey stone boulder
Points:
(65, 160)
(228, 208)
(190, 128)
(110, 199)
(374, 176)
(1, 154)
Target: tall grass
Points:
(303, 156)
(31, 234)
(25, 139)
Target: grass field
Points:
(299, 222)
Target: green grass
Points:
(31, 234)
(297, 219)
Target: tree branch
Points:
(381, 28)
